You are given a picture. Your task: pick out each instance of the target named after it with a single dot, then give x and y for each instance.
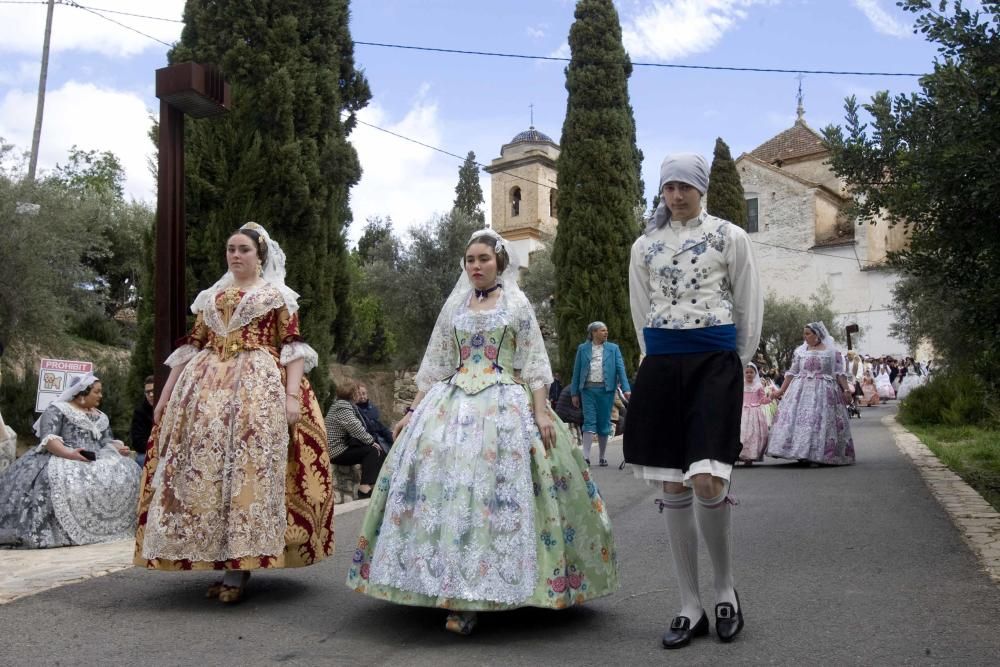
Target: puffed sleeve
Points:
(530, 356)
(185, 348)
(107, 437)
(796, 365)
(441, 356)
(49, 426)
(748, 298)
(638, 291)
(290, 340)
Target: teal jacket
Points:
(614, 368)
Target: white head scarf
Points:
(273, 274)
(756, 384)
(689, 168)
(78, 385)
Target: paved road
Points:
(838, 566)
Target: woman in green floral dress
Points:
(484, 503)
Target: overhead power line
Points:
(727, 68)
(448, 153)
(70, 3)
(115, 11)
(548, 185)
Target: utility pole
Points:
(36, 136)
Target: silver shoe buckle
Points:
(725, 612)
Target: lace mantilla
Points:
(530, 357)
(181, 355)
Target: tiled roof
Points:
(798, 141)
(531, 135)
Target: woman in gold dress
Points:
(238, 476)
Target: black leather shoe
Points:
(728, 621)
(681, 632)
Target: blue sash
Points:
(690, 341)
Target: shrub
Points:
(950, 399)
(17, 402)
(99, 328)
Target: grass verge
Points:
(972, 452)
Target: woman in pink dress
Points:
(754, 422)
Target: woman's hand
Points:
(122, 449)
(576, 400)
(292, 411)
(546, 427)
(75, 455)
(400, 425)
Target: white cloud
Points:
(401, 179)
(535, 32)
(25, 71)
(22, 26)
(671, 29)
(91, 117)
(562, 52)
(882, 20)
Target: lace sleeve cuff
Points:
(43, 445)
(298, 350)
(181, 355)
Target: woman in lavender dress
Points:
(812, 423)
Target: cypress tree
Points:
(281, 156)
(468, 192)
(725, 191)
(600, 190)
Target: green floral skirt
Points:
(471, 512)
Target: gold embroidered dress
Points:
(227, 484)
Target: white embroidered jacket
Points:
(698, 274)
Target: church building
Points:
(523, 192)
(804, 239)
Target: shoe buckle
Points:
(724, 611)
(679, 623)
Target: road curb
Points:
(975, 518)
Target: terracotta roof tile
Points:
(799, 140)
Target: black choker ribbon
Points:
(481, 294)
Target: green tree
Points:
(784, 319)
(725, 191)
(468, 192)
(600, 188)
(51, 246)
(89, 171)
(928, 161)
(378, 242)
(414, 291)
(281, 156)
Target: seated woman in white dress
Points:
(78, 486)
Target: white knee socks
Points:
(588, 441)
(684, 549)
(714, 517)
(602, 445)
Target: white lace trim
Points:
(43, 445)
(95, 502)
(513, 310)
(181, 355)
(255, 302)
(82, 421)
(299, 350)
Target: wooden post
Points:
(198, 91)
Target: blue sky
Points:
(101, 80)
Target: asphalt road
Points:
(835, 566)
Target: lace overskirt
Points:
(225, 485)
(471, 512)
